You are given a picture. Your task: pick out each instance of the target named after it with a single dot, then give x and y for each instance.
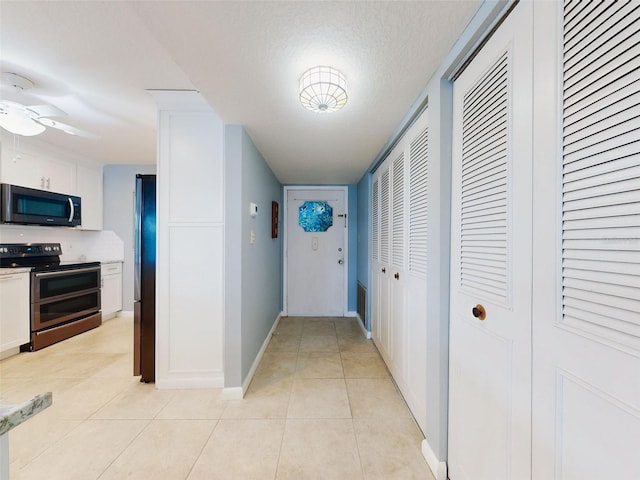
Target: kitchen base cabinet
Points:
(111, 293)
(14, 312)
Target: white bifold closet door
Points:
(587, 363)
(491, 281)
(398, 254)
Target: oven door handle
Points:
(73, 210)
(64, 272)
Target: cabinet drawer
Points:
(111, 268)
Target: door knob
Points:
(384, 270)
(396, 276)
(479, 312)
(340, 262)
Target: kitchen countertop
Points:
(13, 415)
(13, 271)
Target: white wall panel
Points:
(196, 175)
(195, 283)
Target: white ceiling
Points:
(95, 61)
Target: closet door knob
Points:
(396, 276)
(479, 312)
(384, 270)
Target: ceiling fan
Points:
(30, 120)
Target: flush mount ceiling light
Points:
(323, 90)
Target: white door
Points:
(316, 233)
(490, 356)
(398, 258)
(586, 409)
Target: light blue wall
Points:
(262, 260)
(253, 272)
(364, 222)
(119, 184)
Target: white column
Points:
(190, 242)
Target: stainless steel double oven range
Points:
(65, 296)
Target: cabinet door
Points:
(111, 293)
(14, 310)
(28, 169)
(89, 189)
(19, 168)
(59, 176)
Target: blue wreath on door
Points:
(315, 216)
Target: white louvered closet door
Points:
(588, 363)
(399, 242)
(382, 273)
(490, 357)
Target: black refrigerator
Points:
(144, 307)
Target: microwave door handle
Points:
(73, 210)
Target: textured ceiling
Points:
(95, 60)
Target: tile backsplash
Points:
(76, 244)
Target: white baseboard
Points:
(256, 362)
(232, 393)
(205, 380)
(438, 468)
(237, 393)
(10, 352)
(366, 332)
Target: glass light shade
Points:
(323, 90)
(15, 119)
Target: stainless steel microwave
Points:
(28, 206)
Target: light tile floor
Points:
(321, 406)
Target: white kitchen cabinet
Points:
(89, 189)
(111, 292)
(14, 310)
(37, 171)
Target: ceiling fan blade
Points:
(46, 111)
(65, 128)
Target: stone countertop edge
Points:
(14, 271)
(13, 415)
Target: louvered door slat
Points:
(616, 71)
(604, 130)
(587, 179)
(592, 110)
(601, 171)
(397, 212)
(606, 19)
(602, 223)
(384, 217)
(594, 308)
(418, 203)
(600, 265)
(375, 222)
(613, 257)
(615, 98)
(575, 15)
(484, 194)
(595, 45)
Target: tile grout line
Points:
(204, 445)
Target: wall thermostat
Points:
(253, 209)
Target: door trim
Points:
(285, 232)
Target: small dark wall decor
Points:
(274, 219)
